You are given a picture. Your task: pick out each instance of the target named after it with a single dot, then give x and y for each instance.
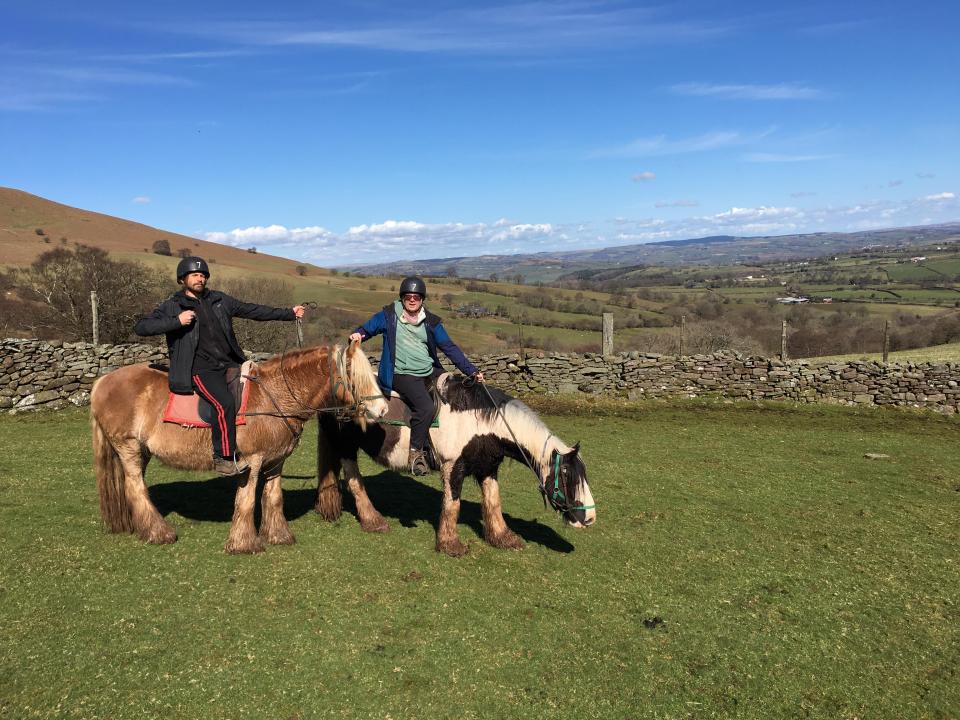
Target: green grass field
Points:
(748, 562)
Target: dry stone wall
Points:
(51, 375)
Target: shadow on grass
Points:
(396, 496)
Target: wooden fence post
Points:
(94, 311)
(886, 339)
(783, 341)
(683, 326)
(607, 347)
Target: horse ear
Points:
(352, 348)
(576, 448)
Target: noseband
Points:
(555, 496)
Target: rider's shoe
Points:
(230, 466)
(418, 463)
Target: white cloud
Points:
(662, 145)
(765, 157)
(781, 91)
(408, 239)
(644, 176)
(141, 200)
(675, 203)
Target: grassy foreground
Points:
(748, 562)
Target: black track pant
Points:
(413, 390)
(212, 384)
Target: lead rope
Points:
(523, 453)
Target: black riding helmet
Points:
(190, 265)
(413, 284)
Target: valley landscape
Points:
(836, 291)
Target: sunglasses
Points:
(412, 296)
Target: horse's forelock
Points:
(362, 376)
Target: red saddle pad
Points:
(184, 410)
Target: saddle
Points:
(399, 414)
(193, 411)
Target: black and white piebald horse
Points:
(478, 427)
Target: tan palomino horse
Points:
(126, 407)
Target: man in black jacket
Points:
(198, 324)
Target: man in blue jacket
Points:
(409, 359)
(203, 349)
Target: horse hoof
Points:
(160, 536)
(453, 548)
(507, 541)
(376, 526)
(286, 538)
(245, 548)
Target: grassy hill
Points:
(31, 225)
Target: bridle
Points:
(341, 388)
(554, 496)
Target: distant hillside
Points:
(23, 217)
(714, 250)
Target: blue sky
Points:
(367, 131)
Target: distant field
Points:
(935, 354)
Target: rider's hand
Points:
(298, 310)
(356, 337)
(478, 377)
(186, 317)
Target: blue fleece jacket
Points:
(385, 321)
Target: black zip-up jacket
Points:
(182, 339)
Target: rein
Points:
(557, 497)
(304, 412)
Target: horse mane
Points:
(530, 430)
(292, 362)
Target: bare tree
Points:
(59, 283)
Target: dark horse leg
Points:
(370, 518)
(243, 538)
(448, 540)
(495, 530)
(274, 529)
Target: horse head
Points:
(564, 486)
(359, 388)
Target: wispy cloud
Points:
(895, 183)
(644, 176)
(925, 175)
(941, 197)
(663, 145)
(675, 203)
(141, 200)
(781, 91)
(766, 157)
(802, 194)
(521, 29)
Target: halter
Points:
(557, 497)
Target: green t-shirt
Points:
(413, 358)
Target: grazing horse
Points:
(126, 407)
(473, 437)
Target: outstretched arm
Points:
(452, 351)
(374, 326)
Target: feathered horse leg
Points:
(274, 529)
(448, 540)
(243, 538)
(495, 530)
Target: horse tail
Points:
(114, 508)
(329, 495)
